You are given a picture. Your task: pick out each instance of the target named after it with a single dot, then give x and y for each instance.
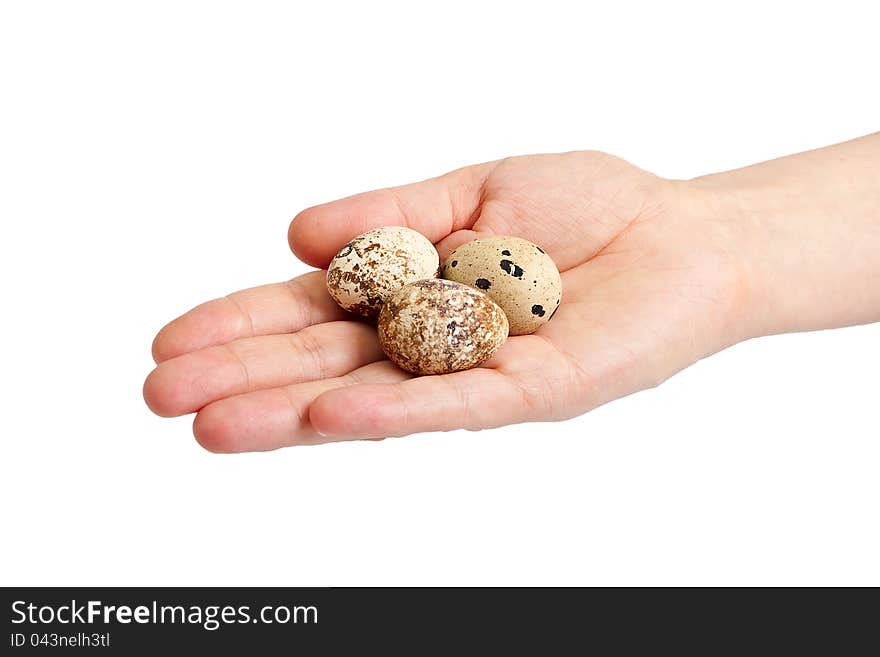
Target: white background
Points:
(151, 157)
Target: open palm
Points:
(650, 285)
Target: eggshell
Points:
(436, 326)
(518, 275)
(373, 266)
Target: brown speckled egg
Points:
(373, 266)
(518, 275)
(436, 326)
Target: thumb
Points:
(435, 207)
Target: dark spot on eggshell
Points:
(483, 283)
(505, 252)
(454, 263)
(345, 251)
(512, 268)
(369, 308)
(539, 249)
(538, 310)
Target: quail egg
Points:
(435, 327)
(373, 266)
(517, 274)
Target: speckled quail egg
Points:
(373, 266)
(435, 327)
(518, 275)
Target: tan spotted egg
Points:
(518, 275)
(436, 327)
(373, 266)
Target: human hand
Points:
(656, 274)
(649, 286)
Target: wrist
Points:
(804, 234)
(733, 213)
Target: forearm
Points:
(807, 228)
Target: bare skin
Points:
(657, 274)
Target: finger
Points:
(473, 399)
(278, 417)
(527, 379)
(265, 310)
(187, 383)
(434, 207)
(454, 240)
